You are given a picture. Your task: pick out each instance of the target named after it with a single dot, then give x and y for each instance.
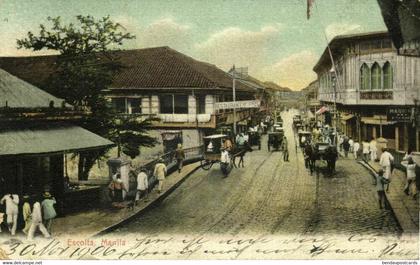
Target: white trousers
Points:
(33, 229)
(373, 156)
(12, 222)
(387, 172)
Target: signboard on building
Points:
(244, 104)
(399, 114)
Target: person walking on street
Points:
(386, 163)
(373, 150)
(410, 187)
(351, 143)
(380, 182)
(224, 162)
(117, 187)
(142, 185)
(227, 144)
(284, 147)
(346, 147)
(48, 210)
(366, 151)
(37, 222)
(27, 214)
(179, 156)
(356, 148)
(160, 173)
(12, 211)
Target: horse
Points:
(240, 152)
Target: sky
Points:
(273, 38)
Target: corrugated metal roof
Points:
(20, 94)
(51, 138)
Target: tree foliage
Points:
(84, 68)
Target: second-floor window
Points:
(376, 77)
(364, 77)
(173, 104)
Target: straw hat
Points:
(47, 194)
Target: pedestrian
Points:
(285, 149)
(373, 150)
(356, 148)
(227, 144)
(341, 140)
(27, 214)
(351, 143)
(37, 222)
(117, 187)
(48, 210)
(160, 173)
(366, 151)
(12, 211)
(410, 187)
(240, 140)
(179, 156)
(380, 182)
(142, 185)
(224, 162)
(346, 147)
(386, 163)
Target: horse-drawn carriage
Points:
(321, 157)
(275, 139)
(254, 139)
(304, 137)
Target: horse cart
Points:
(254, 139)
(304, 137)
(212, 151)
(274, 140)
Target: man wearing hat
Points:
(12, 211)
(380, 182)
(142, 185)
(224, 161)
(160, 173)
(48, 210)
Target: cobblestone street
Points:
(271, 196)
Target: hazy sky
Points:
(272, 38)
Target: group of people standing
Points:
(38, 217)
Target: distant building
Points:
(310, 95)
(376, 90)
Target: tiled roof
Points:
(160, 67)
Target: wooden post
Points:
(406, 139)
(397, 138)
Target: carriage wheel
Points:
(206, 164)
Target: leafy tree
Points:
(85, 66)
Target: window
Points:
(134, 105)
(364, 77)
(376, 77)
(170, 104)
(181, 104)
(119, 105)
(166, 104)
(201, 101)
(387, 70)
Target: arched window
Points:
(364, 77)
(388, 75)
(376, 77)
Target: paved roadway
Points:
(270, 196)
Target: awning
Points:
(49, 139)
(346, 117)
(376, 121)
(321, 110)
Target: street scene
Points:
(174, 130)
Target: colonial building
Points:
(375, 89)
(36, 131)
(310, 95)
(164, 83)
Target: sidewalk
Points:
(97, 221)
(405, 208)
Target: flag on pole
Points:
(309, 6)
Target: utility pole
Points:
(234, 99)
